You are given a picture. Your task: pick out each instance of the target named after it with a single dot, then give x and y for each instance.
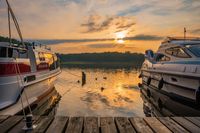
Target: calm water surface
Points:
(106, 93)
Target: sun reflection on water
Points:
(106, 93)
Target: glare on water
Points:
(106, 93)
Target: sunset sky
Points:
(103, 25)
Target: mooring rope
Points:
(72, 74)
(20, 92)
(19, 73)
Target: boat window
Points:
(177, 52)
(10, 52)
(162, 57)
(2, 52)
(23, 54)
(195, 49)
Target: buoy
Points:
(160, 84)
(160, 105)
(148, 93)
(140, 76)
(198, 96)
(139, 85)
(148, 81)
(102, 89)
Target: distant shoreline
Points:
(102, 60)
(105, 65)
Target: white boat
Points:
(27, 73)
(174, 70)
(33, 70)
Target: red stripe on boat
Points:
(7, 69)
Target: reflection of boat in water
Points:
(27, 73)
(46, 105)
(160, 104)
(171, 77)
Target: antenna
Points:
(185, 31)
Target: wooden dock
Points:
(50, 124)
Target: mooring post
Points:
(83, 78)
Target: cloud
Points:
(102, 45)
(145, 37)
(196, 31)
(133, 10)
(94, 23)
(59, 41)
(97, 23)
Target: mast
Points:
(11, 13)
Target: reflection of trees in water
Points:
(84, 65)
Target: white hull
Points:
(33, 91)
(174, 84)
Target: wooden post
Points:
(83, 78)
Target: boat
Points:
(27, 72)
(173, 71)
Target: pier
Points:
(60, 124)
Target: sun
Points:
(120, 41)
(120, 36)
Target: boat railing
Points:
(169, 39)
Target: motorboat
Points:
(174, 70)
(27, 73)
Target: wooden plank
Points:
(107, 125)
(42, 124)
(9, 123)
(198, 118)
(194, 120)
(156, 125)
(3, 118)
(91, 125)
(75, 125)
(124, 125)
(18, 128)
(172, 125)
(58, 125)
(186, 124)
(140, 125)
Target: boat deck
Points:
(50, 124)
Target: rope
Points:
(23, 88)
(73, 74)
(9, 26)
(68, 90)
(20, 93)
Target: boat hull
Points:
(12, 92)
(166, 105)
(178, 85)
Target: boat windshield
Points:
(195, 49)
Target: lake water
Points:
(106, 93)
